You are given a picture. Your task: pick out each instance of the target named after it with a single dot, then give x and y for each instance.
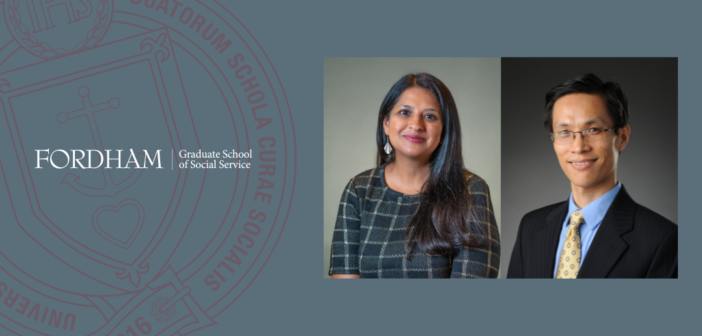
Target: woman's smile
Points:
(414, 138)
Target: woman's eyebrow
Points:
(414, 109)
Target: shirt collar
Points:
(594, 212)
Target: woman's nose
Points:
(417, 122)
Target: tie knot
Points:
(576, 218)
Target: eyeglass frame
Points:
(553, 137)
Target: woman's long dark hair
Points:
(446, 219)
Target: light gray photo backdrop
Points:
(354, 88)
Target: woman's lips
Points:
(413, 138)
(582, 164)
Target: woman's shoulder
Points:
(367, 177)
(475, 183)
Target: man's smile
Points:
(582, 164)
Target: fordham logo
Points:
(86, 159)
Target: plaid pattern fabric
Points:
(369, 238)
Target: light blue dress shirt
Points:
(593, 214)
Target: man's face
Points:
(590, 163)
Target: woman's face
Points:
(414, 125)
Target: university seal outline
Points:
(154, 251)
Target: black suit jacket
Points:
(632, 242)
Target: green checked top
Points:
(369, 237)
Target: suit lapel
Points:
(608, 245)
(547, 241)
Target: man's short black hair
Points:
(612, 92)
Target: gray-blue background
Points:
(290, 297)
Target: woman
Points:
(419, 213)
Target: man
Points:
(600, 232)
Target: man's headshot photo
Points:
(612, 125)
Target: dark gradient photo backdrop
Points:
(531, 175)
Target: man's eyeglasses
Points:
(590, 134)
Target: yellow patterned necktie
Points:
(569, 264)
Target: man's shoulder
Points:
(652, 221)
(545, 211)
(536, 218)
(644, 219)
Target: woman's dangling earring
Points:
(388, 147)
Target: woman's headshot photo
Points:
(411, 167)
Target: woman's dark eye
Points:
(431, 117)
(403, 112)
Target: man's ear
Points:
(624, 134)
